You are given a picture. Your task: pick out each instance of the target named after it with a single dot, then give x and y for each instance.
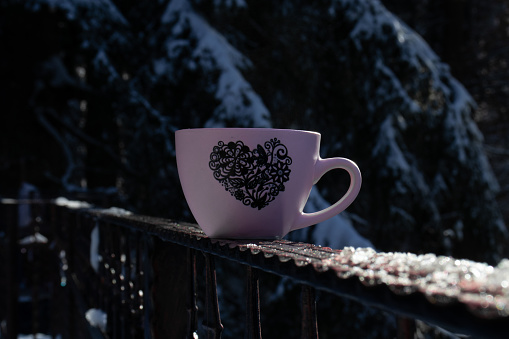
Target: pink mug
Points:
(253, 183)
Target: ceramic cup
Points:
(253, 183)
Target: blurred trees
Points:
(95, 90)
(473, 38)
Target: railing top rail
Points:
(459, 295)
(455, 294)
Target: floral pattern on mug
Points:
(255, 176)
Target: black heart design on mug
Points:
(255, 176)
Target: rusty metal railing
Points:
(147, 276)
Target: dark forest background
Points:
(472, 38)
(414, 91)
(93, 91)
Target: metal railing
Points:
(109, 273)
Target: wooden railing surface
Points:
(141, 274)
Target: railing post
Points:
(67, 233)
(406, 328)
(143, 283)
(170, 291)
(212, 322)
(192, 307)
(105, 273)
(114, 270)
(33, 259)
(123, 283)
(253, 325)
(308, 303)
(9, 215)
(131, 288)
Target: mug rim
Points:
(255, 129)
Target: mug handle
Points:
(321, 167)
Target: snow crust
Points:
(116, 211)
(73, 204)
(37, 336)
(97, 318)
(36, 238)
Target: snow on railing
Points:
(143, 278)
